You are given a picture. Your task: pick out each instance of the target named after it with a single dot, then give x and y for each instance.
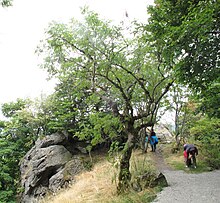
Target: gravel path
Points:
(188, 188)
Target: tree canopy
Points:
(189, 32)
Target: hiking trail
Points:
(185, 187)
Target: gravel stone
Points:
(192, 188)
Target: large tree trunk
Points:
(124, 173)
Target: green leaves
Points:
(9, 170)
(206, 131)
(101, 68)
(6, 3)
(187, 35)
(99, 128)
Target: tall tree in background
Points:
(190, 32)
(110, 80)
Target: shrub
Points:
(210, 150)
(207, 133)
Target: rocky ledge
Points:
(47, 167)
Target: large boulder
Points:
(48, 166)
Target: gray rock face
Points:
(48, 166)
(65, 175)
(54, 139)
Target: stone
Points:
(54, 139)
(47, 167)
(66, 175)
(147, 180)
(160, 180)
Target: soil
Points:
(185, 187)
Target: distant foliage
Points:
(6, 3)
(207, 133)
(9, 173)
(210, 150)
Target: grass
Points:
(89, 186)
(99, 184)
(134, 197)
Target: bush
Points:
(7, 196)
(206, 132)
(210, 150)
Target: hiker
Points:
(153, 141)
(147, 140)
(190, 153)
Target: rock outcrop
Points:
(148, 179)
(47, 167)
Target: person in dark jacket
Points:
(190, 153)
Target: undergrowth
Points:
(99, 184)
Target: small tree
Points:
(115, 74)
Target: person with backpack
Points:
(153, 141)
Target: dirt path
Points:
(187, 188)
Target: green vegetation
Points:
(187, 32)
(206, 133)
(112, 82)
(134, 197)
(6, 3)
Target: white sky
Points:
(22, 27)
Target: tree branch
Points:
(137, 79)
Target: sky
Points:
(22, 26)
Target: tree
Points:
(43, 111)
(6, 3)
(189, 31)
(112, 81)
(9, 175)
(209, 100)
